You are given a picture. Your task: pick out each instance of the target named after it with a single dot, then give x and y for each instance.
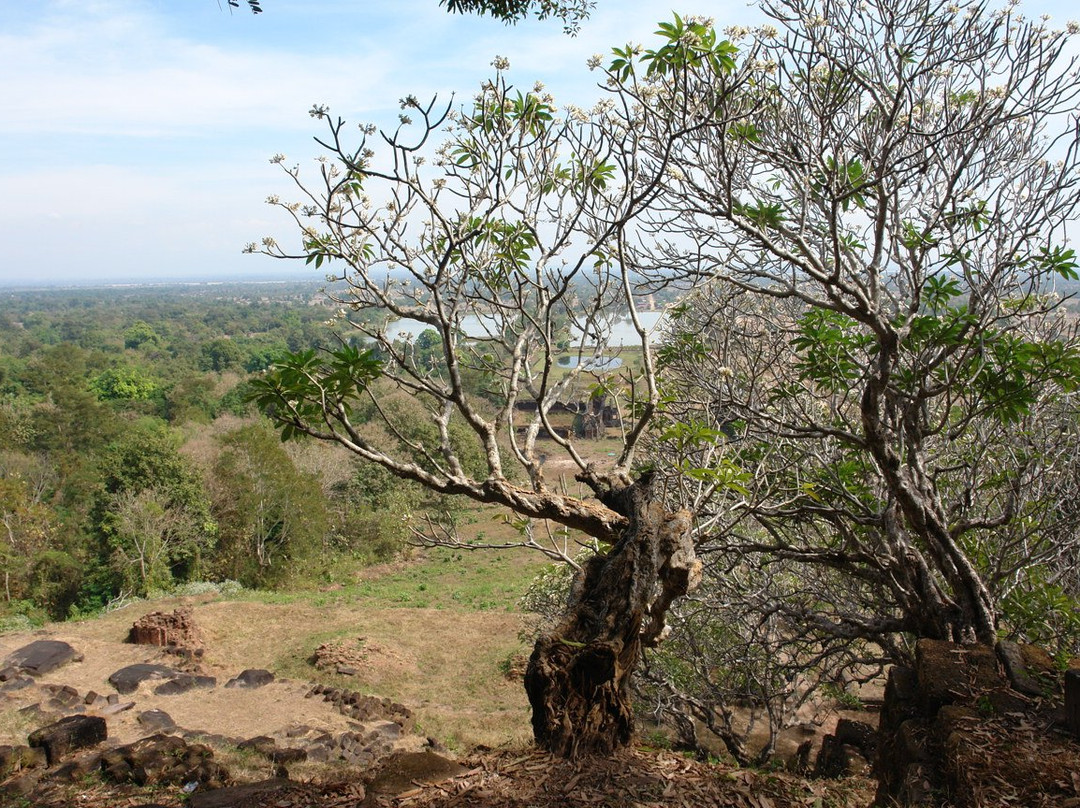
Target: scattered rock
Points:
(62, 696)
(14, 759)
(127, 680)
(402, 771)
(156, 720)
(118, 707)
(164, 760)
(236, 795)
(183, 683)
(17, 683)
(42, 656)
(69, 734)
(251, 678)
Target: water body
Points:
(600, 363)
(620, 332)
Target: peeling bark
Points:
(578, 677)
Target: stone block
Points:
(949, 672)
(1026, 668)
(127, 679)
(183, 683)
(1072, 701)
(251, 678)
(69, 734)
(41, 657)
(15, 759)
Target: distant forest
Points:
(131, 463)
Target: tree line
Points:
(131, 461)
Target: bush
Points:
(56, 579)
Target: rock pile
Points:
(175, 631)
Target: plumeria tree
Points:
(880, 196)
(505, 240)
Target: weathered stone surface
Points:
(175, 630)
(183, 683)
(118, 707)
(836, 759)
(847, 751)
(402, 771)
(42, 656)
(69, 734)
(20, 787)
(156, 720)
(17, 683)
(288, 754)
(859, 734)
(127, 680)
(236, 795)
(1072, 700)
(75, 768)
(251, 678)
(15, 759)
(263, 745)
(163, 759)
(62, 695)
(947, 672)
(1027, 680)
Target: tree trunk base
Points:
(579, 696)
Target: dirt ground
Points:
(424, 658)
(407, 657)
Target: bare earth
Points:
(412, 655)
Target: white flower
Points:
(500, 63)
(595, 61)
(277, 158)
(1073, 27)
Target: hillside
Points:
(427, 635)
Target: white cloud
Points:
(103, 71)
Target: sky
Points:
(136, 135)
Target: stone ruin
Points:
(970, 726)
(174, 631)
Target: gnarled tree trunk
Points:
(578, 677)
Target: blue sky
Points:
(135, 135)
